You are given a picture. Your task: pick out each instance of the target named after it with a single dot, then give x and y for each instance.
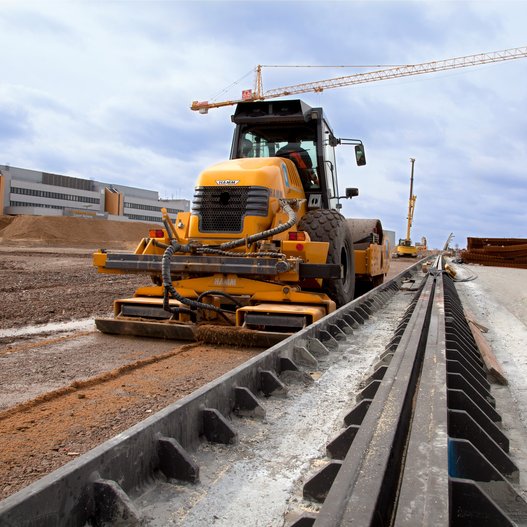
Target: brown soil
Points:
(44, 433)
(5, 221)
(63, 394)
(38, 287)
(40, 283)
(62, 231)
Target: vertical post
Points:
(258, 85)
(411, 202)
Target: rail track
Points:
(418, 442)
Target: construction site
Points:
(67, 388)
(256, 356)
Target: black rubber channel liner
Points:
(423, 445)
(95, 489)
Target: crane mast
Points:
(411, 204)
(361, 78)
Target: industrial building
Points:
(31, 192)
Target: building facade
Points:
(31, 192)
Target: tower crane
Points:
(258, 94)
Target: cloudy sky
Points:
(102, 90)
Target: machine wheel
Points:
(330, 226)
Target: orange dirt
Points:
(63, 231)
(43, 434)
(77, 397)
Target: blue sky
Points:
(102, 90)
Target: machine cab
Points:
(293, 130)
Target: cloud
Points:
(103, 90)
(15, 125)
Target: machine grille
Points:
(222, 209)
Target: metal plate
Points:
(140, 328)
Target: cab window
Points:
(252, 145)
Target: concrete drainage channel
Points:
(248, 448)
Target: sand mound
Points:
(63, 231)
(5, 221)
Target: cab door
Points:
(330, 165)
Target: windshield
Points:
(252, 144)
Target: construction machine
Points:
(405, 248)
(422, 246)
(264, 251)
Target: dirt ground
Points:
(38, 287)
(46, 432)
(46, 273)
(64, 392)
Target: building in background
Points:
(31, 192)
(391, 237)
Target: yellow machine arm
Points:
(411, 203)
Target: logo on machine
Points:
(227, 181)
(225, 282)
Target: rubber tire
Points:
(330, 226)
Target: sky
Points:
(102, 90)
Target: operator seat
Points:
(302, 160)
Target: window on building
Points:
(53, 195)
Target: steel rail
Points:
(95, 488)
(423, 445)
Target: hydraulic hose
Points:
(167, 282)
(265, 234)
(159, 244)
(212, 250)
(170, 230)
(177, 310)
(220, 293)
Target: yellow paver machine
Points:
(264, 251)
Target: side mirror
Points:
(360, 155)
(351, 192)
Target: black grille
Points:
(222, 209)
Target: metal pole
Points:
(411, 201)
